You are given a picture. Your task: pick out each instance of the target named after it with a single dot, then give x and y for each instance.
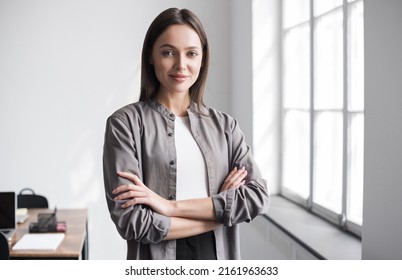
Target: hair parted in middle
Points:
(149, 82)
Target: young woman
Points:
(179, 177)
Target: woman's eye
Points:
(167, 53)
(193, 53)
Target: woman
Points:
(179, 177)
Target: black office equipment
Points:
(31, 200)
(8, 221)
(47, 222)
(4, 248)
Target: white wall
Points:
(64, 67)
(382, 222)
(241, 89)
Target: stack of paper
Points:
(39, 241)
(21, 214)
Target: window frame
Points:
(338, 219)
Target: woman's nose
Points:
(180, 62)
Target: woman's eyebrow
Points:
(167, 46)
(173, 47)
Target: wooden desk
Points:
(74, 244)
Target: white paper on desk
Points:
(39, 241)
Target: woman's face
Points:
(177, 59)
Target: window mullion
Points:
(345, 116)
(280, 97)
(312, 112)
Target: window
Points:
(323, 108)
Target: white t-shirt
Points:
(192, 181)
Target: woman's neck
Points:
(175, 102)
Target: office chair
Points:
(31, 200)
(4, 248)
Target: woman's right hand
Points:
(235, 179)
(139, 193)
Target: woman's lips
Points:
(179, 77)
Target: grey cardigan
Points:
(139, 138)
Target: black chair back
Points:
(31, 200)
(4, 248)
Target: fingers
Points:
(126, 175)
(234, 170)
(138, 184)
(131, 194)
(126, 188)
(235, 179)
(134, 201)
(133, 178)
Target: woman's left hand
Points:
(138, 193)
(235, 179)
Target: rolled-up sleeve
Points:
(121, 152)
(250, 200)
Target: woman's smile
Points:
(179, 77)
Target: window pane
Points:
(322, 6)
(355, 168)
(356, 58)
(296, 68)
(328, 82)
(328, 161)
(296, 152)
(295, 12)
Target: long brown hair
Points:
(149, 82)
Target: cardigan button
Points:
(172, 197)
(171, 162)
(170, 134)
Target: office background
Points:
(67, 65)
